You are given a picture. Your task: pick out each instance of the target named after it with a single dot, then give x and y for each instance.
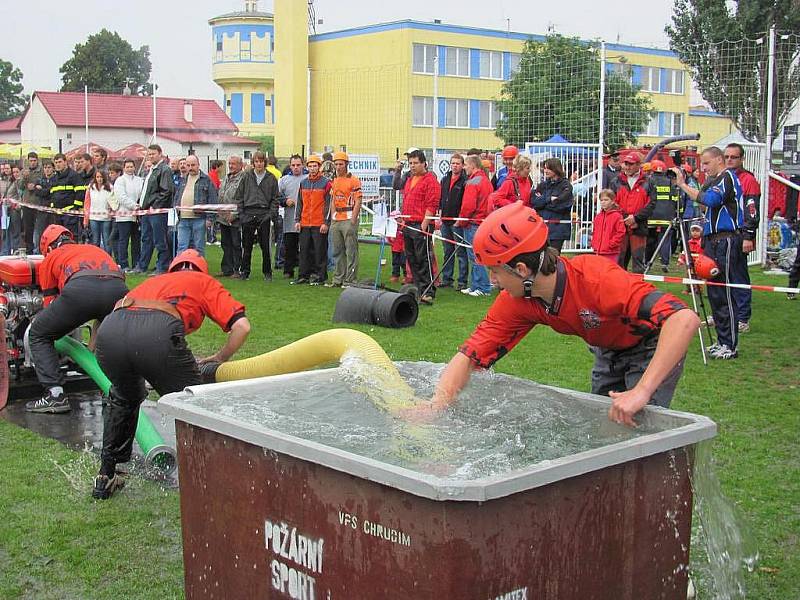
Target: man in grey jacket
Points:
(288, 188)
(157, 193)
(257, 200)
(229, 226)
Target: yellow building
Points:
(373, 90)
(243, 48)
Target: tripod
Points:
(697, 294)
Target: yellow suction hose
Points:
(385, 387)
(323, 348)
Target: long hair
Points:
(105, 185)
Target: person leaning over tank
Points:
(638, 334)
(144, 340)
(79, 282)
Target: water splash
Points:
(723, 548)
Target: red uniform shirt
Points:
(195, 295)
(594, 299)
(63, 262)
(421, 196)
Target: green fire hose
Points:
(156, 453)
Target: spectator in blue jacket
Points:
(194, 189)
(553, 200)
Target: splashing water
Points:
(723, 548)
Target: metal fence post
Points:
(764, 208)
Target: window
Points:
(491, 65)
(513, 62)
(673, 81)
(219, 45)
(268, 102)
(665, 124)
(456, 113)
(622, 69)
(423, 55)
(652, 126)
(456, 62)
(651, 79)
(489, 115)
(422, 111)
(674, 124)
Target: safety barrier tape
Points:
(741, 286)
(210, 208)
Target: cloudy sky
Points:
(39, 36)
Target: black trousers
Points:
(726, 252)
(82, 299)
(134, 346)
(419, 253)
(291, 251)
(257, 229)
(231, 240)
(313, 254)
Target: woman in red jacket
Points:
(608, 228)
(517, 186)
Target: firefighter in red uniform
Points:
(639, 335)
(144, 339)
(79, 283)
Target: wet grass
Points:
(55, 542)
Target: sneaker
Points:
(712, 348)
(724, 353)
(664, 269)
(461, 286)
(104, 487)
(466, 291)
(744, 326)
(315, 282)
(299, 281)
(49, 404)
(477, 293)
(427, 299)
(331, 284)
(791, 296)
(244, 276)
(129, 271)
(268, 277)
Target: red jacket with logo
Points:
(594, 299)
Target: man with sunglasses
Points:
(751, 198)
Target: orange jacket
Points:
(345, 195)
(313, 202)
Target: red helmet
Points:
(507, 232)
(51, 235)
(705, 267)
(189, 257)
(658, 166)
(510, 152)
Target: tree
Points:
(12, 100)
(106, 63)
(557, 91)
(732, 76)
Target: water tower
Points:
(243, 65)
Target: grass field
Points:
(56, 542)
